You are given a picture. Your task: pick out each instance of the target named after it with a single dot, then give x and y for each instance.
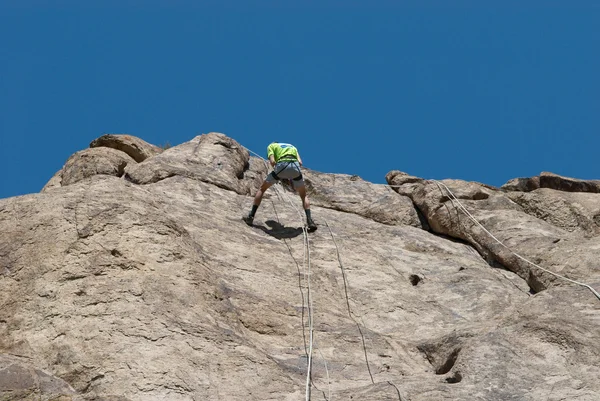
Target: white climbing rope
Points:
(464, 209)
(348, 300)
(307, 262)
(310, 316)
(350, 311)
(328, 398)
(310, 307)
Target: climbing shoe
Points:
(311, 225)
(248, 219)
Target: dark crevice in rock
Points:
(480, 196)
(128, 178)
(453, 239)
(241, 175)
(455, 378)
(415, 279)
(93, 379)
(568, 184)
(74, 277)
(121, 169)
(449, 363)
(535, 285)
(227, 145)
(422, 219)
(443, 354)
(495, 264)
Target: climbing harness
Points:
(287, 163)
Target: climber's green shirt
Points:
(282, 150)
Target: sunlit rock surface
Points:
(142, 283)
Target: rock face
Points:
(213, 158)
(107, 155)
(20, 381)
(552, 181)
(522, 184)
(571, 211)
(146, 285)
(134, 147)
(353, 195)
(94, 161)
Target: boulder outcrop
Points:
(95, 161)
(146, 285)
(350, 193)
(552, 181)
(555, 181)
(136, 148)
(213, 158)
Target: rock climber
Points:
(286, 162)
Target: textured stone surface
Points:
(535, 239)
(522, 184)
(20, 381)
(136, 148)
(90, 163)
(157, 291)
(213, 158)
(572, 211)
(96, 161)
(554, 181)
(354, 195)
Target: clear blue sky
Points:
(472, 91)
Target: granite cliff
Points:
(131, 277)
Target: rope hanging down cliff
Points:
(310, 306)
(339, 258)
(307, 262)
(364, 345)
